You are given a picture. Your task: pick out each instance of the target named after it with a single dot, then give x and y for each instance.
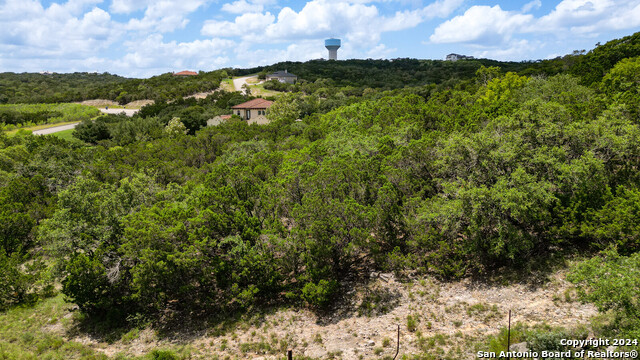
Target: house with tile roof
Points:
(283, 76)
(253, 111)
(185, 73)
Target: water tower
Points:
(332, 45)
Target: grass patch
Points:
(37, 333)
(65, 134)
(227, 85)
(259, 90)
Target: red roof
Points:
(184, 73)
(225, 117)
(254, 104)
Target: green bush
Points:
(92, 131)
(320, 294)
(612, 283)
(163, 355)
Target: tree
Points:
(92, 131)
(175, 127)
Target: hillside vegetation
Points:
(57, 88)
(158, 218)
(23, 115)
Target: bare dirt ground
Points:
(128, 112)
(201, 95)
(137, 104)
(99, 102)
(364, 325)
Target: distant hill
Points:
(385, 74)
(38, 88)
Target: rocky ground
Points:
(433, 316)
(102, 103)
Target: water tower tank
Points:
(332, 45)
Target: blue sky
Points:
(140, 38)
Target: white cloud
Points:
(55, 31)
(569, 13)
(129, 6)
(165, 16)
(482, 25)
(245, 26)
(379, 52)
(584, 17)
(535, 4)
(300, 51)
(356, 22)
(441, 8)
(241, 7)
(152, 55)
(515, 50)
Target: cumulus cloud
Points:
(494, 32)
(535, 4)
(241, 7)
(516, 49)
(128, 6)
(488, 26)
(481, 24)
(246, 26)
(165, 16)
(590, 16)
(59, 30)
(153, 55)
(570, 13)
(358, 22)
(441, 8)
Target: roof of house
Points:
(186, 72)
(254, 104)
(282, 74)
(225, 117)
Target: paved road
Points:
(128, 112)
(237, 83)
(52, 130)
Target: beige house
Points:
(253, 111)
(283, 76)
(218, 120)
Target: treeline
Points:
(57, 88)
(21, 115)
(382, 74)
(458, 179)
